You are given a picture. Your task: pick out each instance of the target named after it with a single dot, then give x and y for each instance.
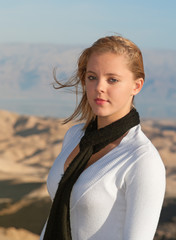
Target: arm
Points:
(145, 188)
(63, 145)
(43, 231)
(52, 181)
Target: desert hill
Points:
(28, 147)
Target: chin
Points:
(100, 114)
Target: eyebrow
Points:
(107, 74)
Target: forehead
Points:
(108, 64)
(107, 60)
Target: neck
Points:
(105, 121)
(102, 122)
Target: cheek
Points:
(88, 93)
(121, 92)
(89, 88)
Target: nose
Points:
(100, 85)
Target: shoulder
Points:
(141, 151)
(140, 144)
(145, 157)
(75, 131)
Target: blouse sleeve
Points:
(145, 189)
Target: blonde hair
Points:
(114, 44)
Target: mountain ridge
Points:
(26, 72)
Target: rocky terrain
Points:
(28, 147)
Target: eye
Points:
(91, 77)
(112, 80)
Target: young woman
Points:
(108, 182)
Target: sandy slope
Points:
(28, 147)
(14, 234)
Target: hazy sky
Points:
(150, 23)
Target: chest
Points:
(95, 157)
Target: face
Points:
(110, 86)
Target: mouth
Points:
(100, 101)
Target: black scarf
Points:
(58, 226)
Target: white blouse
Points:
(119, 197)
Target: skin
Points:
(110, 86)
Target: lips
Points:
(100, 101)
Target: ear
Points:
(138, 84)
